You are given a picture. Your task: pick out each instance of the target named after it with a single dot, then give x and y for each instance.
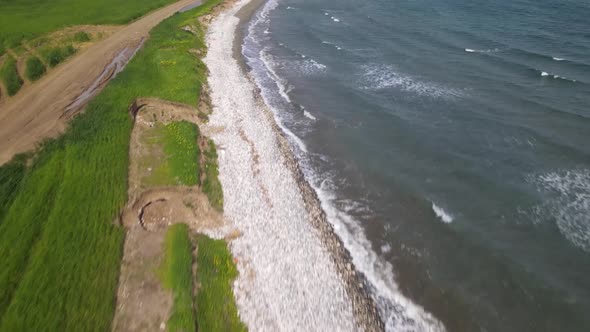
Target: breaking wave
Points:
(568, 203)
(379, 77)
(442, 214)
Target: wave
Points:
(442, 214)
(328, 43)
(567, 203)
(557, 77)
(558, 59)
(492, 50)
(309, 115)
(379, 77)
(397, 311)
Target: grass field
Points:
(27, 19)
(60, 249)
(177, 276)
(216, 271)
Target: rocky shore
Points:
(341, 303)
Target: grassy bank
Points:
(63, 274)
(177, 276)
(211, 185)
(216, 271)
(26, 19)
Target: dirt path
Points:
(35, 112)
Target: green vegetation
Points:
(181, 164)
(27, 19)
(60, 250)
(182, 151)
(10, 78)
(35, 68)
(216, 308)
(177, 276)
(55, 55)
(11, 175)
(211, 184)
(81, 37)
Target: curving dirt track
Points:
(35, 113)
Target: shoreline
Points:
(365, 313)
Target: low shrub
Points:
(56, 55)
(35, 68)
(81, 37)
(10, 77)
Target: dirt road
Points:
(34, 113)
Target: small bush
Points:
(10, 77)
(57, 55)
(81, 37)
(35, 68)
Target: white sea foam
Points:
(281, 84)
(397, 311)
(328, 43)
(491, 50)
(558, 59)
(385, 249)
(567, 203)
(287, 280)
(554, 76)
(442, 214)
(309, 115)
(378, 77)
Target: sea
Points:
(449, 144)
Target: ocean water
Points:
(449, 143)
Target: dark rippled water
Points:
(449, 142)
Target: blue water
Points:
(449, 142)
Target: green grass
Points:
(60, 250)
(177, 276)
(81, 37)
(11, 175)
(57, 54)
(27, 19)
(10, 77)
(180, 166)
(211, 184)
(216, 308)
(35, 68)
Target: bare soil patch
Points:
(142, 303)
